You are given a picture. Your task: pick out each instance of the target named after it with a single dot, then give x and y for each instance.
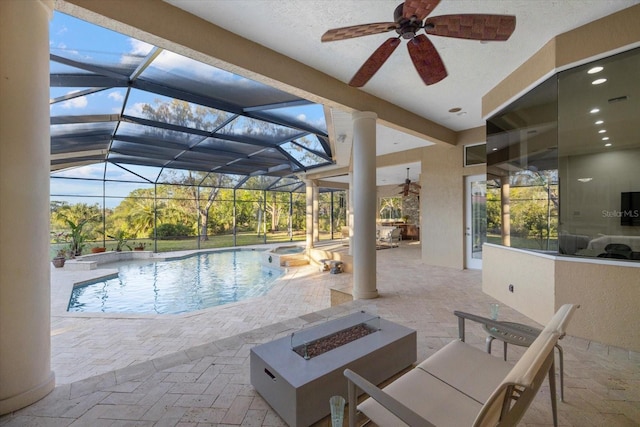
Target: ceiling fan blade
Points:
(472, 26)
(358, 31)
(375, 61)
(426, 59)
(418, 8)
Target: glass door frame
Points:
(473, 257)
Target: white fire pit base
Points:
(299, 389)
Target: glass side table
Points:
(525, 339)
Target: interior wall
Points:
(590, 208)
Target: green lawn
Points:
(218, 241)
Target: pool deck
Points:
(192, 370)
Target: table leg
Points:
(552, 389)
(561, 357)
(488, 342)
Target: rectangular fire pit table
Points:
(299, 388)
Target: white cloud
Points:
(75, 103)
(116, 96)
(136, 109)
(139, 47)
(302, 117)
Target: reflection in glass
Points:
(561, 159)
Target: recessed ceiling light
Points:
(602, 131)
(595, 110)
(455, 109)
(595, 70)
(608, 144)
(599, 122)
(606, 138)
(494, 149)
(584, 179)
(598, 81)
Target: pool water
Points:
(177, 286)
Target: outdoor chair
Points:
(390, 237)
(461, 385)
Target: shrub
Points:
(172, 231)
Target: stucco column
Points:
(364, 209)
(316, 212)
(309, 213)
(350, 217)
(25, 325)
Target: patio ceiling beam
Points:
(283, 122)
(87, 80)
(291, 158)
(76, 94)
(90, 118)
(186, 96)
(88, 67)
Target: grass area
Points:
(193, 243)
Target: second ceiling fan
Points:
(408, 19)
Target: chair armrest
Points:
(490, 323)
(392, 405)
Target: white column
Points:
(309, 213)
(364, 209)
(25, 325)
(350, 217)
(316, 212)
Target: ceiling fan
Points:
(408, 19)
(409, 187)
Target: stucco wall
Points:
(609, 296)
(441, 204)
(608, 291)
(532, 278)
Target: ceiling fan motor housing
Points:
(406, 27)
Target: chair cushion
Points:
(468, 369)
(427, 396)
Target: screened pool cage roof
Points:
(122, 109)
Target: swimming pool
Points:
(177, 286)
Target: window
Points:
(561, 159)
(475, 154)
